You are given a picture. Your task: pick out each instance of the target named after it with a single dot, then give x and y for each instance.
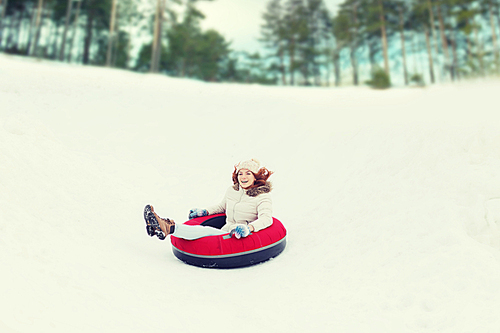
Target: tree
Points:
(420, 22)
(383, 33)
(143, 62)
(273, 34)
(4, 4)
(157, 36)
(128, 18)
(345, 31)
(212, 49)
(403, 47)
(319, 32)
(488, 12)
(295, 35)
(97, 13)
(38, 26)
(66, 26)
(191, 52)
(112, 31)
(183, 40)
(75, 28)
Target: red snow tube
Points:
(228, 252)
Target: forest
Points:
(375, 42)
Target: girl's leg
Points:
(191, 232)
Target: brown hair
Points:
(260, 177)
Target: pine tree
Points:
(401, 10)
(75, 28)
(420, 22)
(295, 35)
(319, 27)
(341, 28)
(273, 34)
(66, 27)
(112, 33)
(38, 26)
(157, 36)
(97, 13)
(346, 31)
(3, 10)
(383, 33)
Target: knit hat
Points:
(252, 165)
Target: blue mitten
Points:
(197, 213)
(241, 231)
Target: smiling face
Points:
(246, 178)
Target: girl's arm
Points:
(218, 209)
(264, 213)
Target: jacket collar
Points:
(255, 191)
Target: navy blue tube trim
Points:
(242, 259)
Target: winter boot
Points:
(156, 225)
(166, 225)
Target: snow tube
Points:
(228, 252)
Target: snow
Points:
(391, 200)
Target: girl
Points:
(247, 205)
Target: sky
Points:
(239, 21)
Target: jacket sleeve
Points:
(264, 213)
(218, 209)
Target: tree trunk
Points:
(468, 44)
(403, 49)
(443, 38)
(354, 66)
(282, 65)
(429, 52)
(384, 37)
(55, 37)
(498, 15)
(442, 32)
(10, 34)
(30, 31)
(2, 18)
(129, 47)
(19, 28)
(494, 37)
(111, 33)
(292, 61)
(417, 54)
(371, 55)
(66, 26)
(414, 52)
(336, 66)
(157, 45)
(38, 26)
(88, 36)
(75, 28)
(354, 63)
(116, 39)
(156, 51)
(479, 52)
(431, 24)
(454, 67)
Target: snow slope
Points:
(391, 200)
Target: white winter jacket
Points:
(252, 207)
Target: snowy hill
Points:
(391, 200)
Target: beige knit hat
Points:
(252, 165)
